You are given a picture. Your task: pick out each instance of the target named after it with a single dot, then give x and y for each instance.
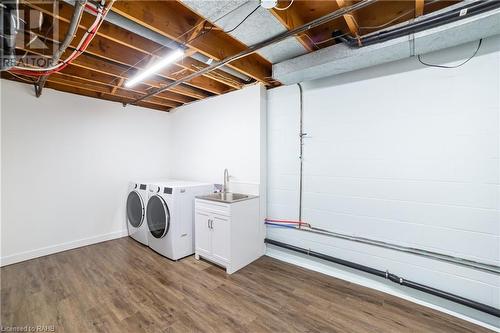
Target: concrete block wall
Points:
(400, 153)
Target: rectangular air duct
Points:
(341, 58)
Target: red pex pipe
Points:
(75, 54)
(300, 223)
(91, 8)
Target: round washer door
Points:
(135, 209)
(158, 216)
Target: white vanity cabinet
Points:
(228, 234)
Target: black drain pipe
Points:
(420, 25)
(392, 277)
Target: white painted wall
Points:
(66, 162)
(399, 153)
(227, 131)
(217, 133)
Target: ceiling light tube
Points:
(155, 68)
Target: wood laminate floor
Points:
(122, 286)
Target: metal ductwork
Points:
(9, 26)
(140, 30)
(380, 49)
(263, 44)
(136, 28)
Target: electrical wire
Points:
(215, 21)
(310, 39)
(84, 42)
(380, 25)
(173, 42)
(329, 39)
(426, 3)
(246, 18)
(211, 25)
(201, 33)
(455, 66)
(370, 27)
(285, 8)
(364, 27)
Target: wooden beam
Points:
(83, 83)
(197, 29)
(302, 12)
(112, 46)
(350, 19)
(292, 18)
(144, 45)
(69, 87)
(119, 72)
(419, 8)
(173, 20)
(120, 83)
(109, 73)
(384, 14)
(91, 93)
(117, 53)
(104, 81)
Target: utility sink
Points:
(227, 197)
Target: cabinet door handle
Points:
(208, 223)
(211, 224)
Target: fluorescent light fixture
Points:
(170, 58)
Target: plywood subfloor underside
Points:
(122, 286)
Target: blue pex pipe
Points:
(281, 225)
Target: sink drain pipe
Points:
(391, 277)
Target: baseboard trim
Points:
(27, 255)
(337, 271)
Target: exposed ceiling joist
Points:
(102, 78)
(115, 88)
(419, 8)
(302, 12)
(69, 86)
(102, 81)
(290, 19)
(113, 43)
(350, 19)
(141, 31)
(131, 40)
(117, 53)
(173, 20)
(338, 59)
(116, 70)
(266, 43)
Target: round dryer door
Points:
(135, 209)
(158, 216)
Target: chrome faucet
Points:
(226, 179)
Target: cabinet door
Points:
(202, 233)
(221, 238)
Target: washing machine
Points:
(137, 199)
(170, 217)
